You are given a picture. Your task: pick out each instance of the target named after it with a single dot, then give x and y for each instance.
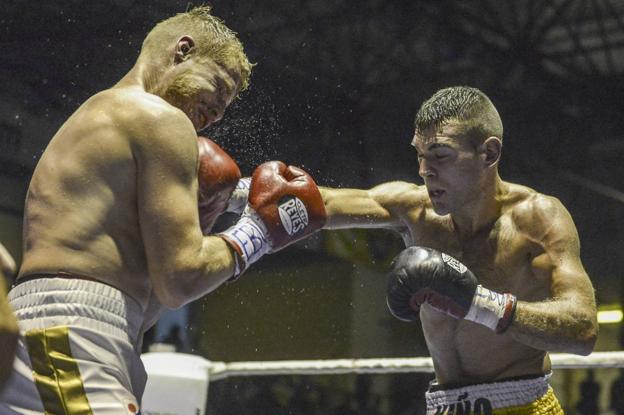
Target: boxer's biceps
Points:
(571, 290)
(169, 224)
(547, 223)
(569, 280)
(183, 264)
(562, 248)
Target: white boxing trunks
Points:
(532, 396)
(79, 350)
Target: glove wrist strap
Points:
(248, 237)
(238, 200)
(492, 309)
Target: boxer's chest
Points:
(499, 256)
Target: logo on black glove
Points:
(453, 263)
(293, 214)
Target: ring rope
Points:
(222, 370)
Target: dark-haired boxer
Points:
(500, 283)
(112, 221)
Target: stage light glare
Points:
(610, 316)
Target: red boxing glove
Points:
(288, 202)
(285, 205)
(218, 175)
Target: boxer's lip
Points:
(436, 193)
(201, 121)
(203, 116)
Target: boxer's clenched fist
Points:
(284, 206)
(218, 176)
(288, 202)
(425, 276)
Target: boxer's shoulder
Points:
(534, 213)
(138, 112)
(150, 123)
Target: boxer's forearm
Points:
(557, 326)
(195, 274)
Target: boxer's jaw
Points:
(201, 89)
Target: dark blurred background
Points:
(335, 90)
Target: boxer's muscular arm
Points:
(383, 206)
(182, 264)
(567, 322)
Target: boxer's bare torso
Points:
(114, 195)
(81, 213)
(512, 253)
(505, 257)
(512, 238)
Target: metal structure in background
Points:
(344, 79)
(373, 54)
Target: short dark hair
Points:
(466, 105)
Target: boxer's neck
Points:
(146, 74)
(483, 211)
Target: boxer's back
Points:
(81, 208)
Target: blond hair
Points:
(212, 39)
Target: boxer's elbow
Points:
(173, 302)
(586, 347)
(582, 335)
(582, 347)
(169, 293)
(587, 335)
(174, 288)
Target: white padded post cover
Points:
(177, 384)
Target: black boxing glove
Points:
(284, 206)
(425, 276)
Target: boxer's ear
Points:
(184, 48)
(491, 151)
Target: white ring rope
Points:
(222, 370)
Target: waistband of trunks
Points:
(44, 301)
(503, 394)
